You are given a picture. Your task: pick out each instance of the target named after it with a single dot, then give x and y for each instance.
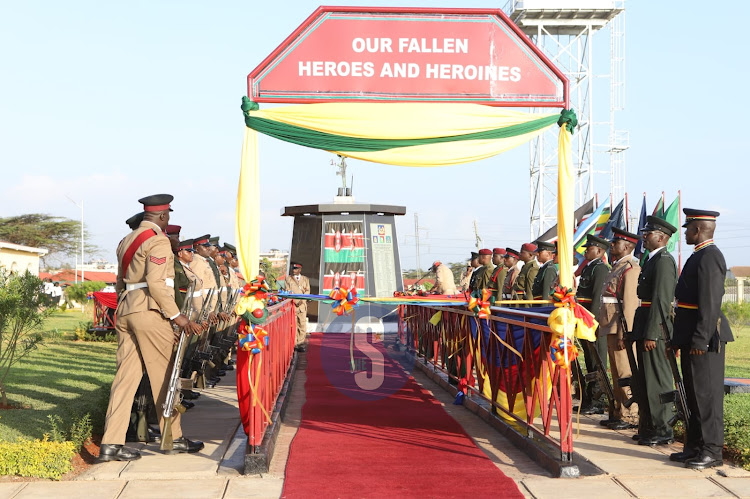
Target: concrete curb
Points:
(541, 452)
(258, 460)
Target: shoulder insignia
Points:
(158, 261)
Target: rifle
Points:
(623, 382)
(679, 395)
(173, 397)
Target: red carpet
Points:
(388, 439)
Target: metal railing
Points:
(266, 371)
(504, 359)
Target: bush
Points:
(79, 432)
(36, 458)
(79, 292)
(22, 314)
(737, 428)
(738, 314)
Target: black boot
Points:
(111, 452)
(182, 444)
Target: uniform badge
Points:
(158, 261)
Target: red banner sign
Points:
(408, 54)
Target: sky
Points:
(107, 102)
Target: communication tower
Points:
(564, 31)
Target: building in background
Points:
(277, 258)
(18, 258)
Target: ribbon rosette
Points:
(480, 303)
(252, 338)
(344, 301)
(569, 316)
(562, 351)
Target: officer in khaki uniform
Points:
(498, 275)
(619, 301)
(484, 273)
(545, 279)
(525, 280)
(146, 308)
(444, 283)
(201, 267)
(298, 284)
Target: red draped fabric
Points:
(108, 300)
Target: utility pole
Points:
(82, 240)
(476, 235)
(416, 240)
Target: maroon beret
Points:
(499, 251)
(530, 247)
(485, 251)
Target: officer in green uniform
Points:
(652, 321)
(181, 280)
(701, 332)
(589, 294)
(484, 273)
(498, 275)
(524, 281)
(547, 275)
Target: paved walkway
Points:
(630, 470)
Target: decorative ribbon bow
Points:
(252, 338)
(562, 351)
(569, 316)
(480, 303)
(344, 301)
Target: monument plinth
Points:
(344, 244)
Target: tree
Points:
(271, 273)
(22, 314)
(61, 236)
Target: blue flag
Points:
(641, 224)
(616, 219)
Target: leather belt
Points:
(609, 299)
(139, 285)
(689, 306)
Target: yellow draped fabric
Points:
(401, 121)
(247, 231)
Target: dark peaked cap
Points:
(134, 221)
(656, 223)
(705, 215)
(157, 202)
(592, 240)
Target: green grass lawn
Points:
(62, 377)
(738, 355)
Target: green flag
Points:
(672, 215)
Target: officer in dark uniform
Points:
(476, 266)
(589, 294)
(651, 323)
(701, 332)
(547, 275)
(498, 275)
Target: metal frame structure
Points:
(564, 32)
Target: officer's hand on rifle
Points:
(696, 351)
(187, 325)
(212, 319)
(649, 345)
(621, 344)
(224, 316)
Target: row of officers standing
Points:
(646, 315)
(167, 286)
